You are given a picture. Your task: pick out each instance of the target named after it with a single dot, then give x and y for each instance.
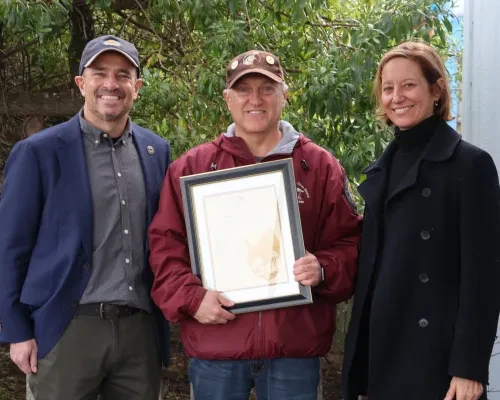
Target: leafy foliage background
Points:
(328, 48)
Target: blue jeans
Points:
(277, 379)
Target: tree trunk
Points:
(82, 31)
(2, 51)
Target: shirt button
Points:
(112, 149)
(426, 192)
(105, 135)
(119, 174)
(123, 202)
(424, 278)
(130, 288)
(425, 235)
(96, 142)
(423, 323)
(125, 231)
(127, 260)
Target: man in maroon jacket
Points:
(277, 351)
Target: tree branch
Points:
(140, 25)
(82, 31)
(6, 54)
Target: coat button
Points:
(424, 278)
(426, 192)
(86, 266)
(74, 304)
(425, 235)
(423, 323)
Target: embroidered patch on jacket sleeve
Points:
(349, 196)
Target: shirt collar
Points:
(95, 135)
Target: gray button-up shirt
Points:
(120, 213)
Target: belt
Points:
(106, 310)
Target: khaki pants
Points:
(117, 359)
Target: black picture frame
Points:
(288, 239)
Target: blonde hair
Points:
(433, 69)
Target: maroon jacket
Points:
(331, 230)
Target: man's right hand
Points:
(210, 310)
(24, 355)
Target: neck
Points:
(113, 128)
(261, 144)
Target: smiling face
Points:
(110, 86)
(256, 102)
(406, 98)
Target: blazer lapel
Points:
(75, 180)
(147, 154)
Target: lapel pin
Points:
(151, 150)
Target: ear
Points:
(80, 82)
(227, 97)
(438, 88)
(285, 96)
(138, 85)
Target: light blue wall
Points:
(452, 67)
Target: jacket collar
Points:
(442, 144)
(440, 148)
(72, 130)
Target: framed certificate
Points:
(244, 234)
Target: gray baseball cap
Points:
(99, 45)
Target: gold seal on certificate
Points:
(244, 234)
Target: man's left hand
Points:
(464, 389)
(307, 270)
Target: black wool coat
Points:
(435, 305)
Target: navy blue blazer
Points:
(46, 231)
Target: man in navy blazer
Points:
(75, 281)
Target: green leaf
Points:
(441, 34)
(448, 25)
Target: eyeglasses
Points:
(264, 90)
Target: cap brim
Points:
(274, 77)
(110, 49)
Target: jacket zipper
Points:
(259, 337)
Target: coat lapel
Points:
(408, 181)
(147, 154)
(75, 181)
(440, 147)
(442, 144)
(373, 188)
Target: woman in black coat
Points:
(426, 304)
